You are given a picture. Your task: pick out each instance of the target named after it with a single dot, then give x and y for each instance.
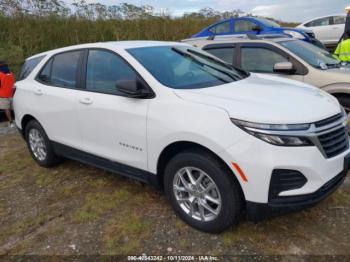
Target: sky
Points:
(286, 10)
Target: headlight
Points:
(273, 133)
(294, 34)
(283, 140)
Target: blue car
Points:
(255, 25)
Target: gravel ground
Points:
(5, 130)
(75, 209)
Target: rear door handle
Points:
(38, 92)
(85, 101)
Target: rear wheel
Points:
(39, 145)
(202, 192)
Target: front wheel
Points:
(202, 192)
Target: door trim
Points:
(105, 164)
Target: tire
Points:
(227, 191)
(45, 156)
(344, 100)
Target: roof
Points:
(110, 45)
(200, 42)
(320, 17)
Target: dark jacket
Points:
(346, 29)
(347, 24)
(4, 69)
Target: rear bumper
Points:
(259, 211)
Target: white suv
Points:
(218, 140)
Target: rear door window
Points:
(29, 66)
(319, 22)
(221, 28)
(244, 26)
(338, 20)
(64, 69)
(61, 70)
(224, 53)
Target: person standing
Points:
(347, 24)
(7, 82)
(342, 52)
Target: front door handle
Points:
(85, 101)
(38, 92)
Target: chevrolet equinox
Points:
(218, 140)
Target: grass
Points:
(125, 234)
(96, 204)
(342, 198)
(21, 37)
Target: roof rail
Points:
(252, 36)
(211, 37)
(247, 36)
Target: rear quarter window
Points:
(29, 66)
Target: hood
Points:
(307, 32)
(335, 76)
(267, 99)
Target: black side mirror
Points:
(132, 88)
(44, 78)
(257, 28)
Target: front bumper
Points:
(259, 211)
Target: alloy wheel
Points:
(197, 194)
(37, 144)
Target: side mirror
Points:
(132, 88)
(44, 78)
(257, 28)
(284, 68)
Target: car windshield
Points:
(184, 67)
(267, 22)
(313, 55)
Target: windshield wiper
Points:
(188, 54)
(210, 58)
(334, 64)
(223, 63)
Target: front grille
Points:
(320, 194)
(283, 180)
(334, 142)
(329, 120)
